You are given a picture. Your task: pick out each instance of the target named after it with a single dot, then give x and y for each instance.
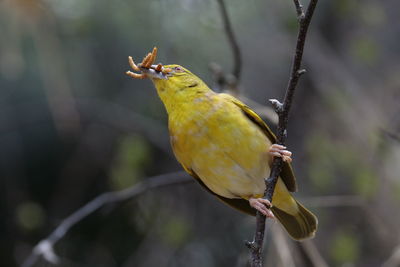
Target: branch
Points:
(231, 79)
(237, 59)
(283, 113)
(45, 248)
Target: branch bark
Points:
(45, 248)
(283, 113)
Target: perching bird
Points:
(225, 146)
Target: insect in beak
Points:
(147, 69)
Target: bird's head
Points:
(171, 81)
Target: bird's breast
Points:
(224, 148)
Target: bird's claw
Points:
(262, 205)
(280, 151)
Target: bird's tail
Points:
(301, 225)
(299, 222)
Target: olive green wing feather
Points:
(237, 203)
(287, 174)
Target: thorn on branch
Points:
(278, 106)
(301, 72)
(46, 249)
(253, 246)
(250, 245)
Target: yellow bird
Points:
(225, 146)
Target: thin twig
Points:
(237, 59)
(299, 9)
(334, 201)
(393, 136)
(45, 248)
(283, 248)
(313, 254)
(283, 113)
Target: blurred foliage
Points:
(346, 7)
(30, 215)
(174, 231)
(329, 160)
(365, 50)
(132, 157)
(72, 126)
(345, 248)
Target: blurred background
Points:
(73, 125)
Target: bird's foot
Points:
(262, 205)
(280, 151)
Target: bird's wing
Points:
(287, 174)
(237, 203)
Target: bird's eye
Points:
(178, 69)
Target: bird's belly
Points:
(230, 180)
(232, 162)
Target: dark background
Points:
(73, 125)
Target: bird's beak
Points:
(152, 73)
